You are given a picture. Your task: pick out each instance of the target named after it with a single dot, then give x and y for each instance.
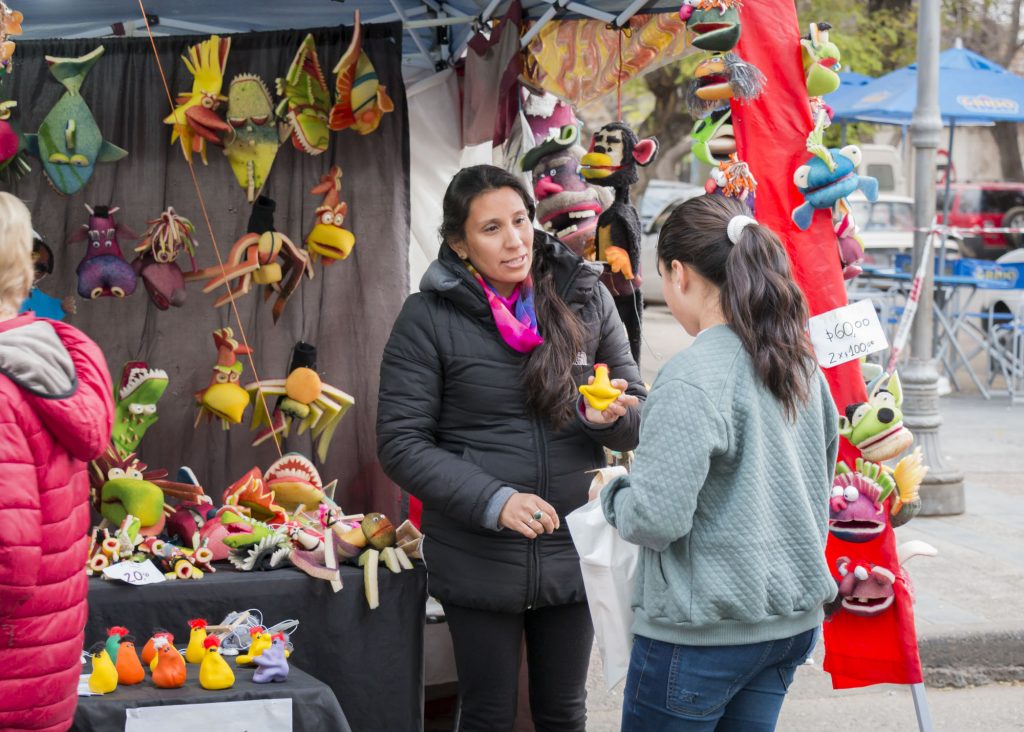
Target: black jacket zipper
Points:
(533, 570)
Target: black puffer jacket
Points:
(453, 428)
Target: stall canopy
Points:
(425, 42)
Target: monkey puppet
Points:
(615, 152)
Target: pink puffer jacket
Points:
(56, 411)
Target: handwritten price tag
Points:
(135, 573)
(846, 334)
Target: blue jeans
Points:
(705, 688)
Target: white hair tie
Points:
(736, 226)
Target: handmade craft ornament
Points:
(600, 394)
(255, 546)
(272, 663)
(865, 589)
(712, 137)
(250, 492)
(196, 650)
(13, 162)
(113, 642)
(254, 259)
(163, 242)
(224, 399)
(547, 115)
(135, 400)
(361, 99)
(328, 239)
(255, 137)
(169, 672)
(875, 427)
(69, 143)
(214, 671)
(851, 246)
(820, 58)
(295, 482)
(260, 640)
(714, 23)
(103, 679)
(567, 206)
(149, 650)
(719, 78)
(195, 120)
(103, 271)
(827, 178)
(303, 397)
(129, 668)
(10, 25)
(306, 102)
(121, 489)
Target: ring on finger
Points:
(538, 514)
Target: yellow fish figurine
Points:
(362, 100)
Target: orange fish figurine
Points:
(362, 101)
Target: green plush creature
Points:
(69, 143)
(712, 138)
(135, 405)
(252, 144)
(821, 61)
(875, 427)
(306, 102)
(120, 489)
(715, 23)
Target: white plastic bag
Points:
(608, 563)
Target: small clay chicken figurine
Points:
(113, 642)
(103, 678)
(195, 652)
(600, 394)
(170, 666)
(272, 663)
(214, 671)
(129, 668)
(260, 642)
(149, 650)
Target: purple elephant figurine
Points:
(103, 271)
(273, 666)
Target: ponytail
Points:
(759, 298)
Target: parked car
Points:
(994, 205)
(651, 286)
(887, 228)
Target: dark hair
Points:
(759, 298)
(548, 372)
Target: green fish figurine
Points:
(252, 144)
(306, 102)
(69, 143)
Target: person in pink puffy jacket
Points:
(56, 413)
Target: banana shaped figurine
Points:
(601, 393)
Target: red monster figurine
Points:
(103, 271)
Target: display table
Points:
(371, 659)
(314, 707)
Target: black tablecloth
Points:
(371, 659)
(314, 708)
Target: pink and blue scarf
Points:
(515, 316)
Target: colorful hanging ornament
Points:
(254, 259)
(10, 25)
(712, 137)
(69, 143)
(223, 398)
(306, 102)
(714, 23)
(302, 396)
(13, 162)
(719, 78)
(252, 144)
(103, 271)
(820, 58)
(163, 241)
(195, 121)
(827, 178)
(875, 427)
(733, 178)
(362, 101)
(328, 239)
(135, 399)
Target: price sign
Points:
(846, 334)
(254, 715)
(135, 573)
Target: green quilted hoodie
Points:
(728, 500)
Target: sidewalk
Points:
(968, 599)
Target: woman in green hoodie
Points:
(728, 496)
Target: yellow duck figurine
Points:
(195, 653)
(601, 393)
(103, 678)
(261, 641)
(214, 671)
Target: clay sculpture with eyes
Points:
(253, 142)
(195, 121)
(224, 399)
(103, 271)
(135, 399)
(875, 427)
(714, 23)
(328, 239)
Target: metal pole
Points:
(945, 194)
(943, 489)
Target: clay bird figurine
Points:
(600, 394)
(273, 665)
(103, 678)
(195, 120)
(170, 670)
(214, 671)
(149, 650)
(260, 642)
(196, 650)
(129, 668)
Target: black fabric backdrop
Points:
(346, 310)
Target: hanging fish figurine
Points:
(306, 102)
(362, 100)
(10, 25)
(103, 271)
(195, 120)
(69, 142)
(252, 144)
(13, 164)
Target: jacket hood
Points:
(64, 380)
(575, 277)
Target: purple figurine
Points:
(272, 663)
(103, 271)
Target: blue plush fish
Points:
(827, 178)
(69, 143)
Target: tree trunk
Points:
(1005, 135)
(668, 121)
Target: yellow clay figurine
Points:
(214, 671)
(260, 642)
(195, 653)
(103, 678)
(601, 394)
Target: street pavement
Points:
(968, 598)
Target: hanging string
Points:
(618, 80)
(209, 226)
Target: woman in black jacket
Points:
(479, 417)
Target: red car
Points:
(986, 205)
